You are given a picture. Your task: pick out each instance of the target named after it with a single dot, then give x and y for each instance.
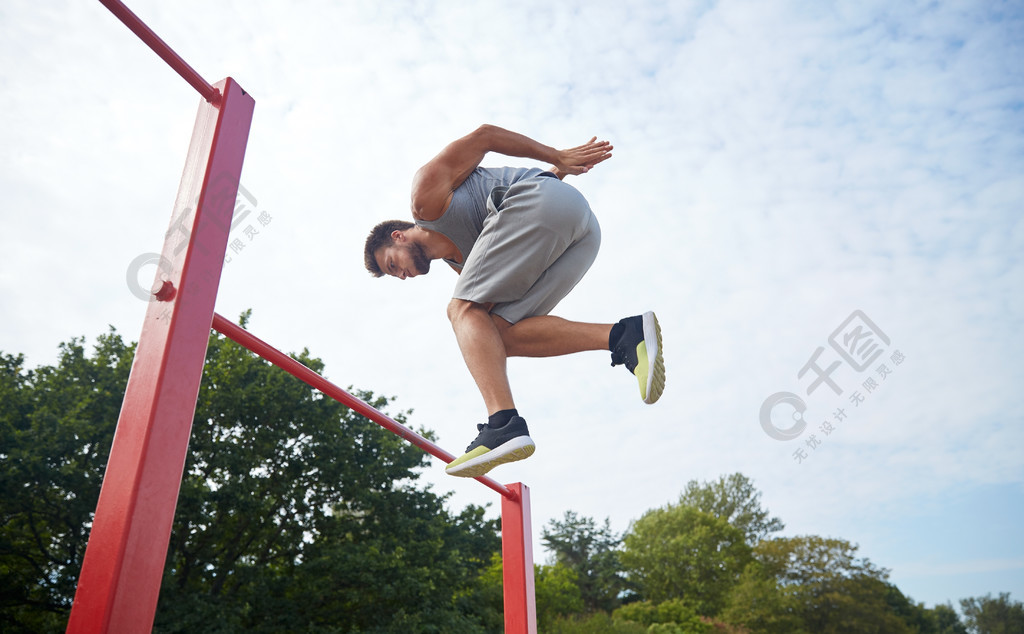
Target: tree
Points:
(591, 552)
(987, 615)
(942, 619)
(815, 584)
(56, 427)
(594, 623)
(679, 552)
(762, 604)
(945, 620)
(295, 513)
(556, 592)
(735, 499)
(674, 615)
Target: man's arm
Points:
(434, 183)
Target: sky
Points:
(789, 179)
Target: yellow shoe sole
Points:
(478, 462)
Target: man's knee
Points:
(459, 308)
(456, 308)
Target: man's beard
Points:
(419, 258)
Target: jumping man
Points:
(520, 239)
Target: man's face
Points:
(403, 259)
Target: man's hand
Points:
(582, 158)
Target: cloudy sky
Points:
(784, 173)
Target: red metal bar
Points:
(161, 48)
(246, 339)
(517, 562)
(124, 560)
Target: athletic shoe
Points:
(639, 349)
(493, 447)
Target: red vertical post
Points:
(124, 560)
(517, 562)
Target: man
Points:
(520, 240)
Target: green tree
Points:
(674, 615)
(987, 615)
(942, 619)
(592, 553)
(556, 592)
(945, 620)
(295, 514)
(735, 499)
(814, 584)
(762, 604)
(56, 426)
(680, 552)
(594, 623)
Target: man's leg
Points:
(550, 336)
(484, 352)
(505, 437)
(486, 341)
(634, 342)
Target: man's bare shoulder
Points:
(431, 194)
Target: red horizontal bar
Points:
(247, 340)
(161, 48)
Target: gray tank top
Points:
(464, 219)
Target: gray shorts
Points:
(538, 240)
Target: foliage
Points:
(943, 619)
(295, 514)
(815, 584)
(734, 499)
(759, 602)
(591, 552)
(56, 427)
(593, 623)
(679, 552)
(987, 615)
(676, 615)
(485, 600)
(555, 592)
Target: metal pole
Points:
(161, 48)
(124, 560)
(517, 563)
(246, 339)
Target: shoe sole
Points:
(519, 448)
(655, 361)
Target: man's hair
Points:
(380, 237)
